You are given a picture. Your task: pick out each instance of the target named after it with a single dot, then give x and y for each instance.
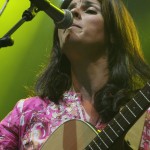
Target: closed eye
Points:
(90, 11)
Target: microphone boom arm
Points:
(28, 15)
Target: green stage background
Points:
(20, 63)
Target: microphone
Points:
(63, 18)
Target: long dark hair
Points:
(127, 67)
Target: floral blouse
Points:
(33, 120)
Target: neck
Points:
(89, 76)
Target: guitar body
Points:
(72, 135)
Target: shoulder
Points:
(25, 107)
(28, 107)
(31, 103)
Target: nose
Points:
(76, 13)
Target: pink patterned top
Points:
(33, 120)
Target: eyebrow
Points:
(85, 3)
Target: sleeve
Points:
(9, 130)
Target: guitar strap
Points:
(135, 133)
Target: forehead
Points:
(79, 2)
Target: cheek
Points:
(95, 28)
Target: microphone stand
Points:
(28, 15)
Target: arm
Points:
(9, 130)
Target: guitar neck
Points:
(123, 120)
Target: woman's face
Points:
(88, 24)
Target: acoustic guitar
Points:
(79, 135)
